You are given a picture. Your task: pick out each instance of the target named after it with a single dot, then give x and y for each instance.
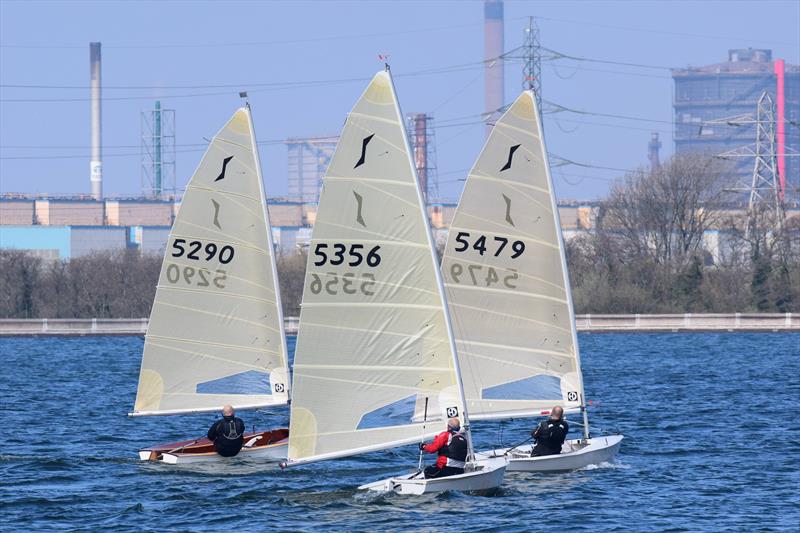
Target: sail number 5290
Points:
(337, 251)
(209, 250)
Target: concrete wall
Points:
(87, 239)
(138, 213)
(17, 212)
(286, 214)
(70, 212)
(766, 322)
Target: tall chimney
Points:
(493, 68)
(652, 151)
(420, 134)
(96, 162)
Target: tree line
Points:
(647, 254)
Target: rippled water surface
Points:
(712, 442)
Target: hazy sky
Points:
(195, 56)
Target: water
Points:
(712, 442)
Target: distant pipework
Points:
(652, 151)
(96, 162)
(493, 68)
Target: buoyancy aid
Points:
(455, 451)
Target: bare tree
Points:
(664, 214)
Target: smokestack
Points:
(96, 162)
(492, 50)
(652, 151)
(420, 133)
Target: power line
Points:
(665, 32)
(252, 43)
(259, 87)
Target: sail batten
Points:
(215, 334)
(505, 277)
(374, 333)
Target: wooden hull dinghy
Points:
(575, 454)
(216, 334)
(485, 478)
(269, 446)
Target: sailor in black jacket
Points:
(550, 434)
(227, 434)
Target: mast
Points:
(560, 235)
(273, 260)
(439, 283)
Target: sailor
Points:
(550, 434)
(451, 445)
(227, 434)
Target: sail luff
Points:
(564, 270)
(273, 259)
(440, 287)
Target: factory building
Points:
(308, 161)
(712, 105)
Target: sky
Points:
(304, 64)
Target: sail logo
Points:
(360, 205)
(224, 166)
(452, 412)
(216, 213)
(510, 157)
(508, 210)
(364, 142)
(572, 396)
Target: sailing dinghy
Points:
(216, 333)
(509, 296)
(374, 333)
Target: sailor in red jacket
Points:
(451, 445)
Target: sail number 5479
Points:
(463, 244)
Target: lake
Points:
(711, 425)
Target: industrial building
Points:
(62, 227)
(308, 161)
(715, 112)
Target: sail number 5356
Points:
(463, 244)
(337, 253)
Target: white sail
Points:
(506, 279)
(373, 331)
(216, 335)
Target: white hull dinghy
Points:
(268, 446)
(508, 291)
(575, 454)
(375, 339)
(216, 334)
(484, 478)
